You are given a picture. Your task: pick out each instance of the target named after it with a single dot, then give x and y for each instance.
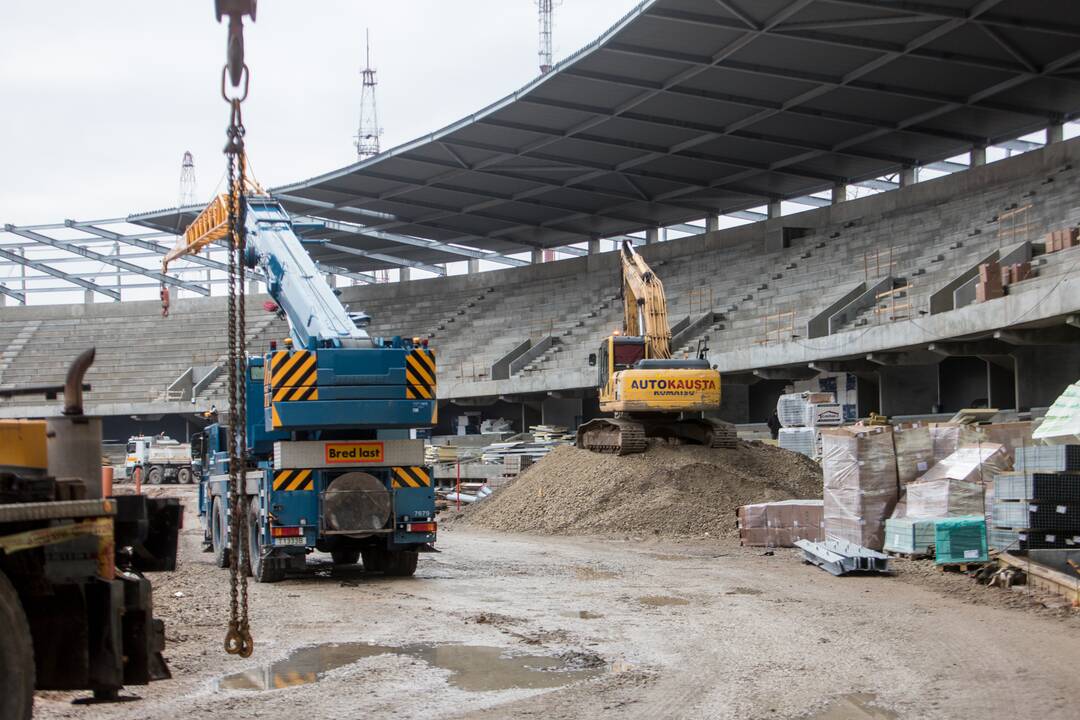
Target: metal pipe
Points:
(73, 384)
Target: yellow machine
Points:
(650, 393)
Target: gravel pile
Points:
(686, 491)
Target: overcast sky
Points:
(99, 100)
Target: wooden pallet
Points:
(963, 567)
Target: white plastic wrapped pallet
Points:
(859, 468)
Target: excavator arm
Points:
(644, 305)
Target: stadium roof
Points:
(690, 108)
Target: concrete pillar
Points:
(712, 223)
(774, 209)
(404, 274)
(331, 280)
(474, 265)
(652, 235)
(594, 246)
(908, 176)
(3, 300)
(978, 156)
(1055, 133)
(537, 256)
(839, 194)
(88, 297)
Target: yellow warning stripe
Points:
(290, 480)
(280, 372)
(419, 368)
(304, 392)
(411, 477)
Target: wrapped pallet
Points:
(1012, 436)
(781, 523)
(974, 463)
(859, 468)
(947, 437)
(799, 439)
(914, 451)
(946, 497)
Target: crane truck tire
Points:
(345, 556)
(372, 559)
(16, 656)
(156, 475)
(219, 533)
(261, 570)
(184, 476)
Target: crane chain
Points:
(238, 639)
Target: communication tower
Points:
(368, 132)
(547, 21)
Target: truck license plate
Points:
(289, 541)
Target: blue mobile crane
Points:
(331, 462)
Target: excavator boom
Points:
(644, 305)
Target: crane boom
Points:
(644, 305)
(316, 316)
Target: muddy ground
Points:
(625, 627)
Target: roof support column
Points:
(652, 235)
(474, 265)
(88, 297)
(839, 194)
(404, 274)
(908, 176)
(978, 156)
(331, 280)
(594, 246)
(712, 223)
(537, 256)
(1055, 133)
(774, 209)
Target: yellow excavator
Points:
(649, 393)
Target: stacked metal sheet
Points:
(1038, 506)
(840, 557)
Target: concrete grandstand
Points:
(684, 113)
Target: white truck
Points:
(158, 458)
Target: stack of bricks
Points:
(989, 287)
(1015, 273)
(1062, 240)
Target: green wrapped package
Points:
(960, 540)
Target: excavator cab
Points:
(618, 352)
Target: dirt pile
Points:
(668, 491)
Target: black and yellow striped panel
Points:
(290, 480)
(294, 369)
(411, 477)
(420, 374)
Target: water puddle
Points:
(855, 706)
(661, 600)
(472, 667)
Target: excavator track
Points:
(612, 435)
